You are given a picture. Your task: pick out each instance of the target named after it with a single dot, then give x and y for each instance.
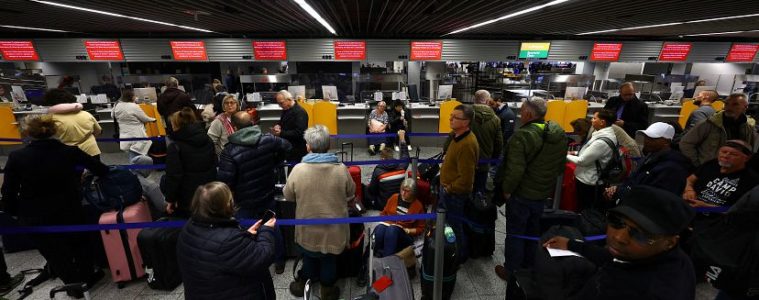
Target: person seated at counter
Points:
(631, 112)
(641, 259)
(704, 111)
(380, 189)
(378, 123)
(398, 121)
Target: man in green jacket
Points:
(535, 158)
(702, 142)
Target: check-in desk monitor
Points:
(444, 91)
(297, 90)
(35, 96)
(329, 92)
(146, 94)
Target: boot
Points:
(298, 287)
(330, 292)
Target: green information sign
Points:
(534, 50)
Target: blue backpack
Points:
(114, 191)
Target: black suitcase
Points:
(450, 267)
(158, 247)
(350, 262)
(481, 231)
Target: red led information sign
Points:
(606, 52)
(270, 50)
(675, 51)
(189, 50)
(432, 50)
(18, 50)
(742, 52)
(104, 50)
(350, 50)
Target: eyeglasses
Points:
(457, 118)
(616, 222)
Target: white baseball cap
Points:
(659, 130)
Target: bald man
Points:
(631, 112)
(704, 111)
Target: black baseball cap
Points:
(655, 210)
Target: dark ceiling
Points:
(384, 19)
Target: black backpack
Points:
(114, 191)
(619, 166)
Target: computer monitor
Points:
(269, 97)
(444, 91)
(329, 92)
(297, 90)
(146, 94)
(35, 96)
(413, 92)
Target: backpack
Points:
(114, 191)
(428, 171)
(620, 165)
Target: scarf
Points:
(317, 158)
(227, 123)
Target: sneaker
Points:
(371, 150)
(500, 270)
(279, 268)
(382, 147)
(12, 283)
(409, 147)
(397, 149)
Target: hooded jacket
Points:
(535, 157)
(190, 162)
(220, 260)
(701, 143)
(170, 101)
(247, 166)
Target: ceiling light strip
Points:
(311, 11)
(121, 16)
(509, 16)
(33, 28)
(720, 33)
(670, 24)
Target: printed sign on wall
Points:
(104, 50)
(270, 50)
(432, 50)
(675, 51)
(742, 52)
(534, 50)
(189, 50)
(606, 51)
(350, 50)
(18, 50)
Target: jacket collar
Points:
(462, 136)
(215, 222)
(536, 121)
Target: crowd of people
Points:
(216, 175)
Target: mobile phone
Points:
(267, 216)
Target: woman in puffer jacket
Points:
(219, 259)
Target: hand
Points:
(689, 195)
(406, 230)
(609, 193)
(557, 242)
(271, 223)
(170, 207)
(402, 135)
(620, 123)
(254, 228)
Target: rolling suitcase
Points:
(482, 215)
(450, 264)
(159, 252)
(121, 248)
(355, 172)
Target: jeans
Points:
(454, 205)
(279, 241)
(388, 240)
(522, 218)
(131, 154)
(320, 266)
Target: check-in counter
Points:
(351, 119)
(656, 112)
(426, 119)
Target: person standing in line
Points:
(631, 113)
(132, 119)
(292, 124)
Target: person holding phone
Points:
(219, 259)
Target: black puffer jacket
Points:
(247, 166)
(220, 260)
(190, 162)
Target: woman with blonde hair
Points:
(221, 127)
(218, 259)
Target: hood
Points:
(248, 136)
(718, 119)
(193, 134)
(483, 114)
(317, 158)
(142, 160)
(555, 133)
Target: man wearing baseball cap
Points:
(641, 259)
(722, 181)
(661, 167)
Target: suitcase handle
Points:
(342, 148)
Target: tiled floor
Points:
(476, 279)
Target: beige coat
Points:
(321, 190)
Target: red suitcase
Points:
(568, 189)
(355, 172)
(124, 257)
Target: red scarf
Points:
(227, 123)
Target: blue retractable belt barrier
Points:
(175, 224)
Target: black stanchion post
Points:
(437, 287)
(557, 192)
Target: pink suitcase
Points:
(124, 257)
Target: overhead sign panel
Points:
(18, 51)
(270, 50)
(534, 50)
(742, 52)
(104, 50)
(427, 50)
(606, 51)
(350, 50)
(189, 50)
(675, 51)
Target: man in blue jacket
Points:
(247, 166)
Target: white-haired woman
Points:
(321, 188)
(221, 127)
(392, 236)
